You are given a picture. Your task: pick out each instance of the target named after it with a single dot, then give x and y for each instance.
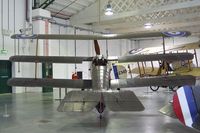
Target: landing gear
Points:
(174, 88)
(171, 88)
(154, 88)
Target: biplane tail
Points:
(79, 101)
(84, 101)
(185, 106)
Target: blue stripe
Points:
(191, 102)
(175, 34)
(115, 72)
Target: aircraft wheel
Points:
(154, 88)
(174, 88)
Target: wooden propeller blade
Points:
(96, 46)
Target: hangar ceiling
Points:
(67, 8)
(131, 15)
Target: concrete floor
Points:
(36, 113)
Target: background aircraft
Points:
(159, 68)
(100, 92)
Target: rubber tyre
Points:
(154, 88)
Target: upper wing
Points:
(62, 83)
(153, 81)
(97, 37)
(50, 59)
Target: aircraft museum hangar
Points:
(99, 66)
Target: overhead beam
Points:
(60, 6)
(46, 3)
(165, 27)
(82, 2)
(93, 16)
(178, 17)
(77, 6)
(54, 13)
(73, 6)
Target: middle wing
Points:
(155, 57)
(122, 59)
(50, 59)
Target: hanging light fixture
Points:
(148, 25)
(108, 11)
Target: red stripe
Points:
(177, 108)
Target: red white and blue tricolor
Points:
(184, 105)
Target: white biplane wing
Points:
(100, 37)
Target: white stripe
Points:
(184, 107)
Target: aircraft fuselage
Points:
(100, 74)
(100, 79)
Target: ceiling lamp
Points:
(148, 25)
(108, 11)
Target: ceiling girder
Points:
(176, 18)
(93, 17)
(166, 27)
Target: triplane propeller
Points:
(102, 91)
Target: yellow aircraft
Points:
(182, 67)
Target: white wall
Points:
(13, 24)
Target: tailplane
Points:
(79, 101)
(84, 101)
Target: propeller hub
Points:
(99, 60)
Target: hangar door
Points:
(5, 74)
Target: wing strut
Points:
(195, 55)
